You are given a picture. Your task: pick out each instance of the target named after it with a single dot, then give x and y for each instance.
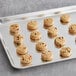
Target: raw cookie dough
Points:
(65, 52)
(59, 42)
(47, 56)
(18, 39)
(21, 49)
(35, 36)
(14, 29)
(32, 25)
(65, 18)
(48, 22)
(26, 59)
(72, 29)
(41, 46)
(52, 32)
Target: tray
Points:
(7, 39)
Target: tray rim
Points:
(55, 11)
(29, 14)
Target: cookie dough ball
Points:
(35, 36)
(14, 29)
(65, 52)
(52, 32)
(48, 22)
(18, 39)
(65, 18)
(59, 42)
(47, 56)
(32, 25)
(72, 29)
(26, 59)
(21, 49)
(41, 46)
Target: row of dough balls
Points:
(48, 22)
(21, 49)
(41, 47)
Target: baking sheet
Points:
(10, 49)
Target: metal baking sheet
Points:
(22, 20)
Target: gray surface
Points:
(12, 7)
